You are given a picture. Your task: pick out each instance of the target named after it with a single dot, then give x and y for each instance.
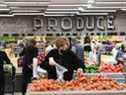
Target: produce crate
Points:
(108, 92)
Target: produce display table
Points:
(93, 78)
(105, 92)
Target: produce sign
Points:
(80, 83)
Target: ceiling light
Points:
(93, 14)
(6, 15)
(123, 9)
(81, 9)
(89, 6)
(61, 12)
(28, 13)
(91, 1)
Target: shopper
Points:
(49, 48)
(98, 52)
(3, 60)
(79, 50)
(87, 43)
(29, 52)
(64, 57)
(120, 57)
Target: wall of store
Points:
(120, 22)
(41, 25)
(16, 24)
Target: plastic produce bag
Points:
(37, 70)
(60, 71)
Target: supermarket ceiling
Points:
(60, 7)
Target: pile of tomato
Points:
(79, 83)
(111, 68)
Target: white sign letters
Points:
(89, 23)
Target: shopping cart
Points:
(9, 75)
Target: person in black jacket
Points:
(3, 60)
(64, 57)
(28, 53)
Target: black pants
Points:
(26, 78)
(1, 84)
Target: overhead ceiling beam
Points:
(65, 9)
(61, 12)
(32, 4)
(28, 13)
(64, 5)
(4, 9)
(25, 11)
(92, 14)
(6, 15)
(27, 0)
(58, 15)
(107, 7)
(109, 0)
(99, 10)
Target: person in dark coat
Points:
(3, 60)
(28, 53)
(64, 57)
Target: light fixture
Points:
(24, 3)
(99, 11)
(123, 9)
(91, 1)
(4, 9)
(93, 14)
(1, 15)
(81, 9)
(89, 6)
(59, 9)
(28, 13)
(60, 12)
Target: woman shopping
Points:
(62, 57)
